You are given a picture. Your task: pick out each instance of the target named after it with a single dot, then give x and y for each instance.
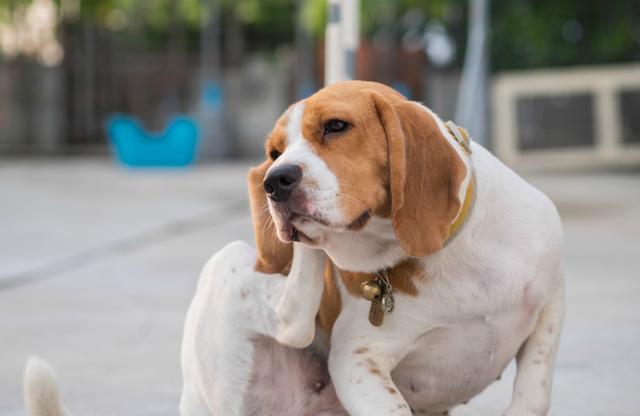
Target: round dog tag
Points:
(370, 290)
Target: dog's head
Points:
(352, 152)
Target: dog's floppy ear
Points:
(274, 256)
(425, 173)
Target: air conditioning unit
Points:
(568, 118)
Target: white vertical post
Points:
(350, 32)
(341, 41)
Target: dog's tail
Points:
(41, 392)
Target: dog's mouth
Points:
(302, 227)
(294, 222)
(360, 222)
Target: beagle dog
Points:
(443, 265)
(399, 266)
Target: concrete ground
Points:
(98, 265)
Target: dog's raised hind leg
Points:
(233, 305)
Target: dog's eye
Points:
(274, 154)
(335, 126)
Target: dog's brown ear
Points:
(425, 173)
(274, 256)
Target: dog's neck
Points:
(402, 277)
(376, 247)
(368, 250)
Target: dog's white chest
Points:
(449, 365)
(461, 334)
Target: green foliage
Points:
(528, 34)
(524, 33)
(264, 25)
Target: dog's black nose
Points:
(281, 181)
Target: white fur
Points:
(373, 248)
(498, 283)
(294, 125)
(41, 393)
(496, 289)
(233, 305)
(300, 299)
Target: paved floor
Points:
(98, 264)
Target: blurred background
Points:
(127, 127)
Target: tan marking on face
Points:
(357, 156)
(392, 160)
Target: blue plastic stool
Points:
(135, 147)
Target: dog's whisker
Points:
(265, 231)
(264, 208)
(269, 228)
(357, 201)
(274, 234)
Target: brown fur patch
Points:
(330, 304)
(402, 277)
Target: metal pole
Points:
(305, 56)
(472, 104)
(214, 140)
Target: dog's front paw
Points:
(522, 409)
(296, 336)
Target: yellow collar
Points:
(462, 137)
